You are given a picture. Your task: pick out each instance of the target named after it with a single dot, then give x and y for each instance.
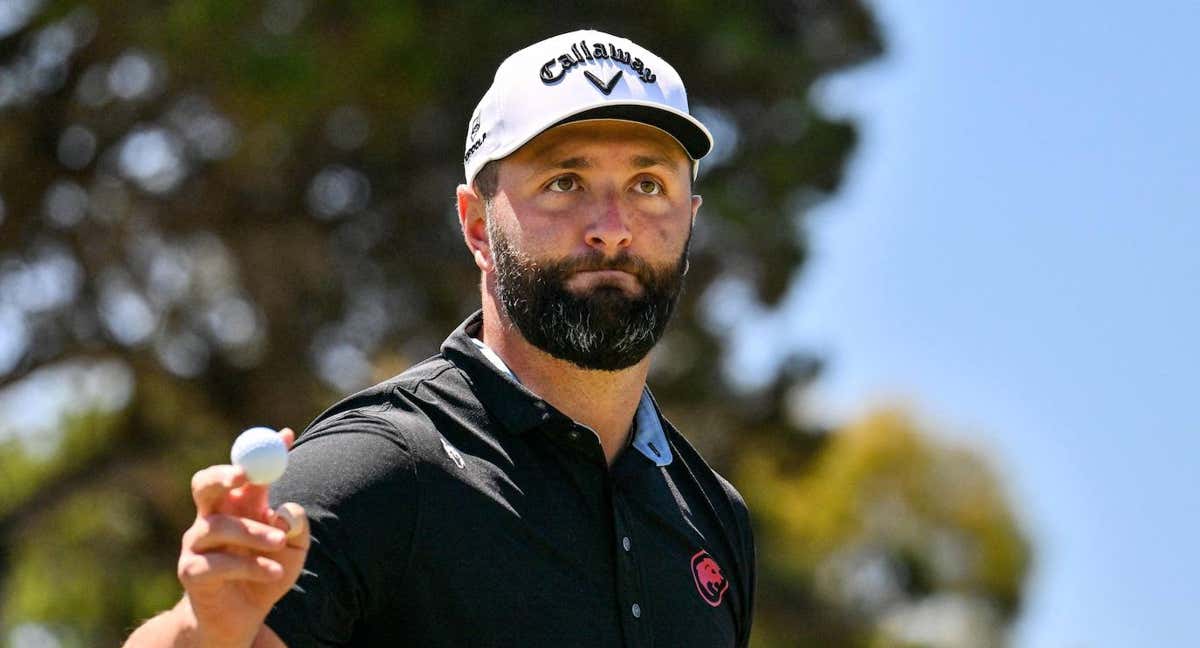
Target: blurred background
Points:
(938, 328)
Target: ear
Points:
(472, 218)
(696, 202)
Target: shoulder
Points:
(394, 398)
(400, 410)
(378, 435)
(710, 479)
(727, 501)
(385, 437)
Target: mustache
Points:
(596, 260)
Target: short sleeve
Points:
(355, 478)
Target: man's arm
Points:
(177, 628)
(237, 559)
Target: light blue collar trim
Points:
(648, 438)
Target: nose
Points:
(609, 229)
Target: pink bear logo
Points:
(710, 582)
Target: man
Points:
(521, 488)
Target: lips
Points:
(604, 278)
(619, 267)
(601, 275)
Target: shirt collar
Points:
(649, 437)
(510, 403)
(520, 409)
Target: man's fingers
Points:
(250, 500)
(292, 520)
(225, 489)
(211, 485)
(214, 531)
(198, 570)
(289, 437)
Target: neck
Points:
(605, 401)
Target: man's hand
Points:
(238, 558)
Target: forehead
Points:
(602, 137)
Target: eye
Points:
(649, 187)
(563, 184)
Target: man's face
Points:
(589, 233)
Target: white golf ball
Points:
(262, 453)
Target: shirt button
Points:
(626, 543)
(637, 611)
(573, 435)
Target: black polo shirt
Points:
(451, 506)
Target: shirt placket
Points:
(627, 579)
(631, 594)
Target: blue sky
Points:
(1016, 256)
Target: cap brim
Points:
(682, 127)
(690, 134)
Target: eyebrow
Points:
(571, 163)
(644, 161)
(638, 162)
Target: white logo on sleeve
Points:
(455, 455)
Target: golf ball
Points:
(261, 453)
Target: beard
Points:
(604, 328)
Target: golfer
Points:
(521, 487)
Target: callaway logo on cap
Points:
(574, 77)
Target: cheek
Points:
(525, 230)
(537, 239)
(550, 229)
(664, 236)
(668, 233)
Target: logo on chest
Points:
(710, 581)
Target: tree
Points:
(890, 537)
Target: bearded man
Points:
(520, 488)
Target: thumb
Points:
(292, 520)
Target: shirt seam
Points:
(399, 443)
(414, 387)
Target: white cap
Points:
(576, 76)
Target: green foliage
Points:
(82, 566)
(23, 474)
(885, 519)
